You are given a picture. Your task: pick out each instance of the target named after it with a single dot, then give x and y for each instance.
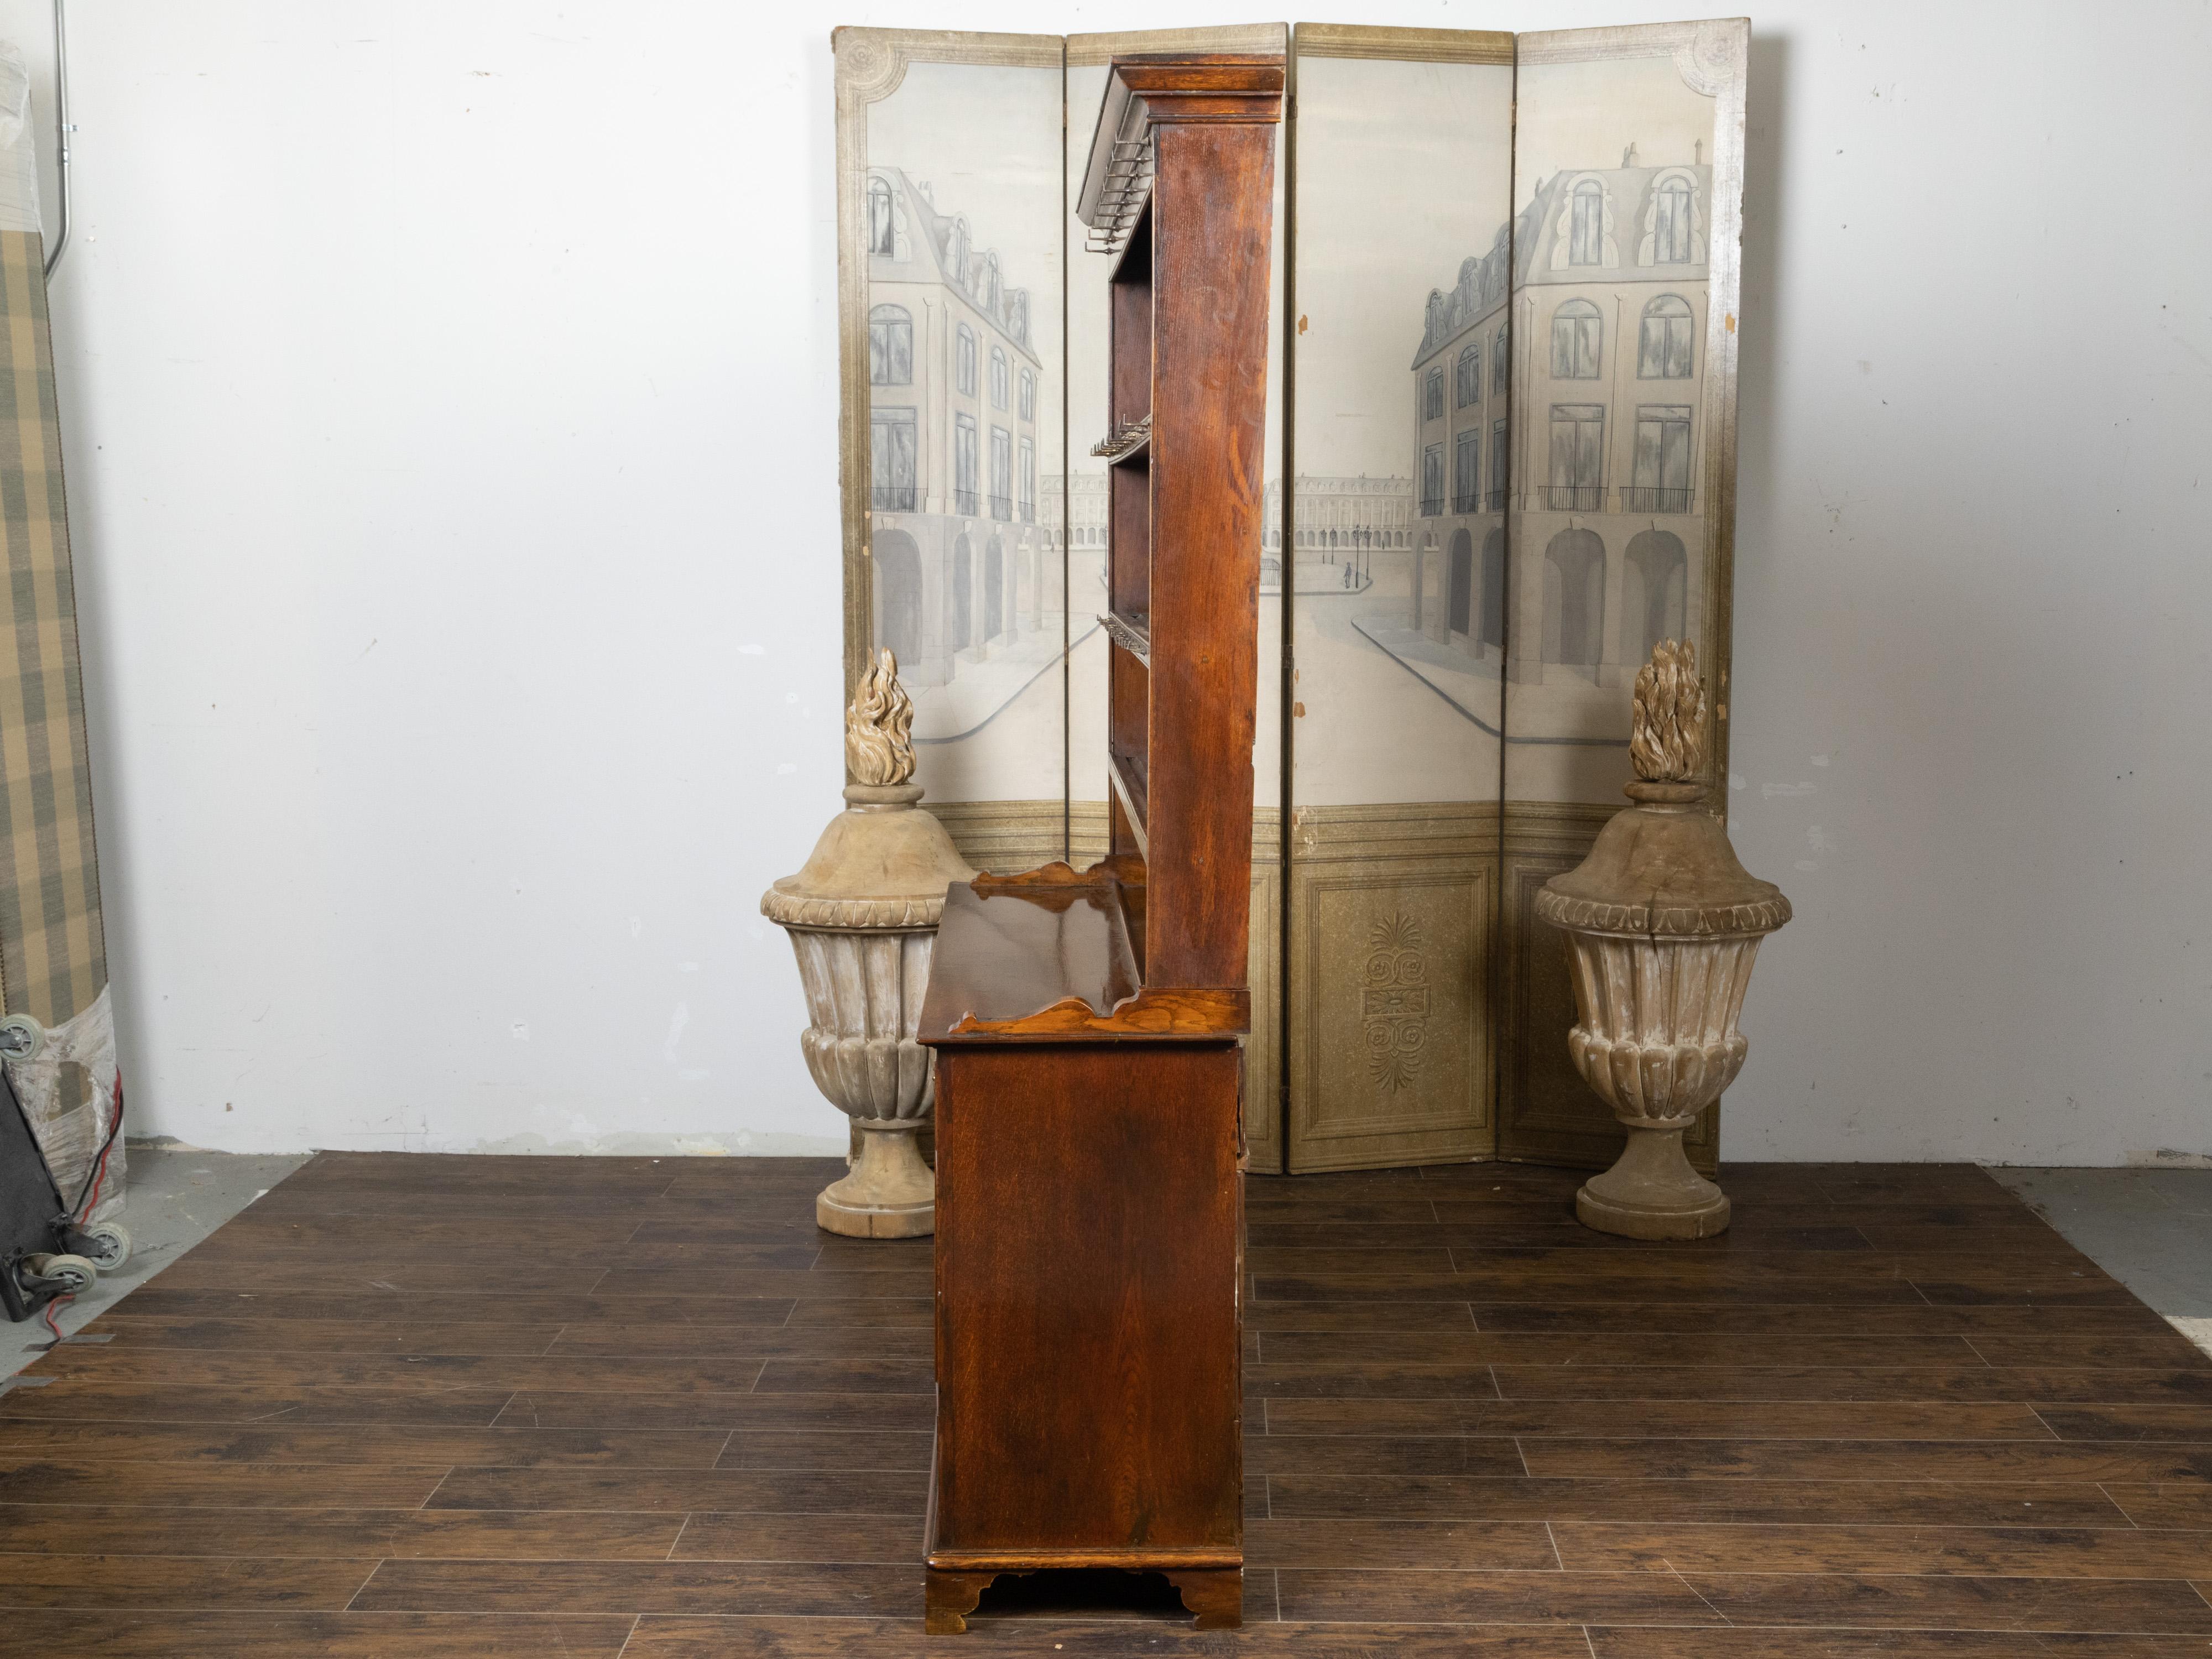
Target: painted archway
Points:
(1461, 588)
(1574, 598)
(1655, 598)
(898, 594)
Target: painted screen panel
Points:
(1627, 195)
(1394, 547)
(951, 162)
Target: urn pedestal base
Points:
(1651, 1192)
(891, 1193)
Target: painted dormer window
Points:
(1586, 228)
(883, 233)
(1671, 224)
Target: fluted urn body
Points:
(1663, 925)
(862, 915)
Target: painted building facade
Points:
(1462, 383)
(956, 389)
(1570, 405)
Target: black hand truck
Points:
(45, 1250)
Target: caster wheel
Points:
(71, 1275)
(109, 1245)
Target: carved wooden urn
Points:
(862, 916)
(1662, 924)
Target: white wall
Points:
(450, 393)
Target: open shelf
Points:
(1135, 256)
(1014, 950)
(1127, 773)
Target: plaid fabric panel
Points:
(53, 954)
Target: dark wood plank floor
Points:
(489, 1406)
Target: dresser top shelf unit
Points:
(1178, 196)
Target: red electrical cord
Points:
(99, 1168)
(51, 1306)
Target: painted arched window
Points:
(1662, 344)
(1586, 226)
(1028, 396)
(1498, 370)
(890, 346)
(999, 377)
(1577, 341)
(1466, 376)
(964, 365)
(881, 238)
(1671, 223)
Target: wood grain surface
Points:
(1455, 1444)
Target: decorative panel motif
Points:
(1392, 922)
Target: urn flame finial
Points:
(1667, 739)
(878, 746)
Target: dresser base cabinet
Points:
(1089, 1255)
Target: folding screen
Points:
(1504, 397)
